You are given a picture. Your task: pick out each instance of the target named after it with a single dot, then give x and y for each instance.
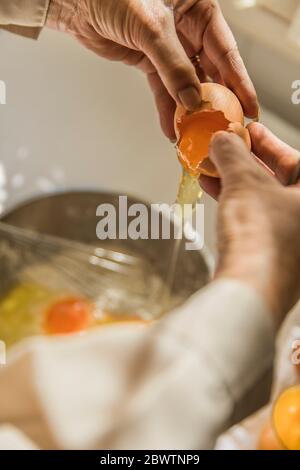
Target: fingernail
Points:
(173, 141)
(219, 138)
(190, 98)
(219, 135)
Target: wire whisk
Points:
(115, 280)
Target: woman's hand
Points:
(259, 217)
(158, 37)
(276, 157)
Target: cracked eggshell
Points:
(215, 98)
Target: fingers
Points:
(232, 159)
(220, 48)
(211, 186)
(282, 159)
(234, 162)
(167, 54)
(165, 105)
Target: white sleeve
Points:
(174, 385)
(12, 439)
(23, 12)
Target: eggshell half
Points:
(215, 99)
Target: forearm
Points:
(255, 268)
(214, 352)
(231, 327)
(61, 13)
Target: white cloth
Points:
(172, 385)
(23, 12)
(12, 439)
(25, 17)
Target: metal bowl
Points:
(72, 216)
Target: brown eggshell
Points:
(216, 97)
(241, 131)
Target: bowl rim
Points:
(204, 252)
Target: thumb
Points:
(175, 69)
(232, 158)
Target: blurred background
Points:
(74, 121)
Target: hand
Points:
(259, 218)
(278, 158)
(159, 40)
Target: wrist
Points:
(61, 13)
(255, 271)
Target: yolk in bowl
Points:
(68, 315)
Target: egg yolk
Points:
(69, 315)
(286, 418)
(268, 439)
(196, 131)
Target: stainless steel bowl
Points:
(72, 215)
